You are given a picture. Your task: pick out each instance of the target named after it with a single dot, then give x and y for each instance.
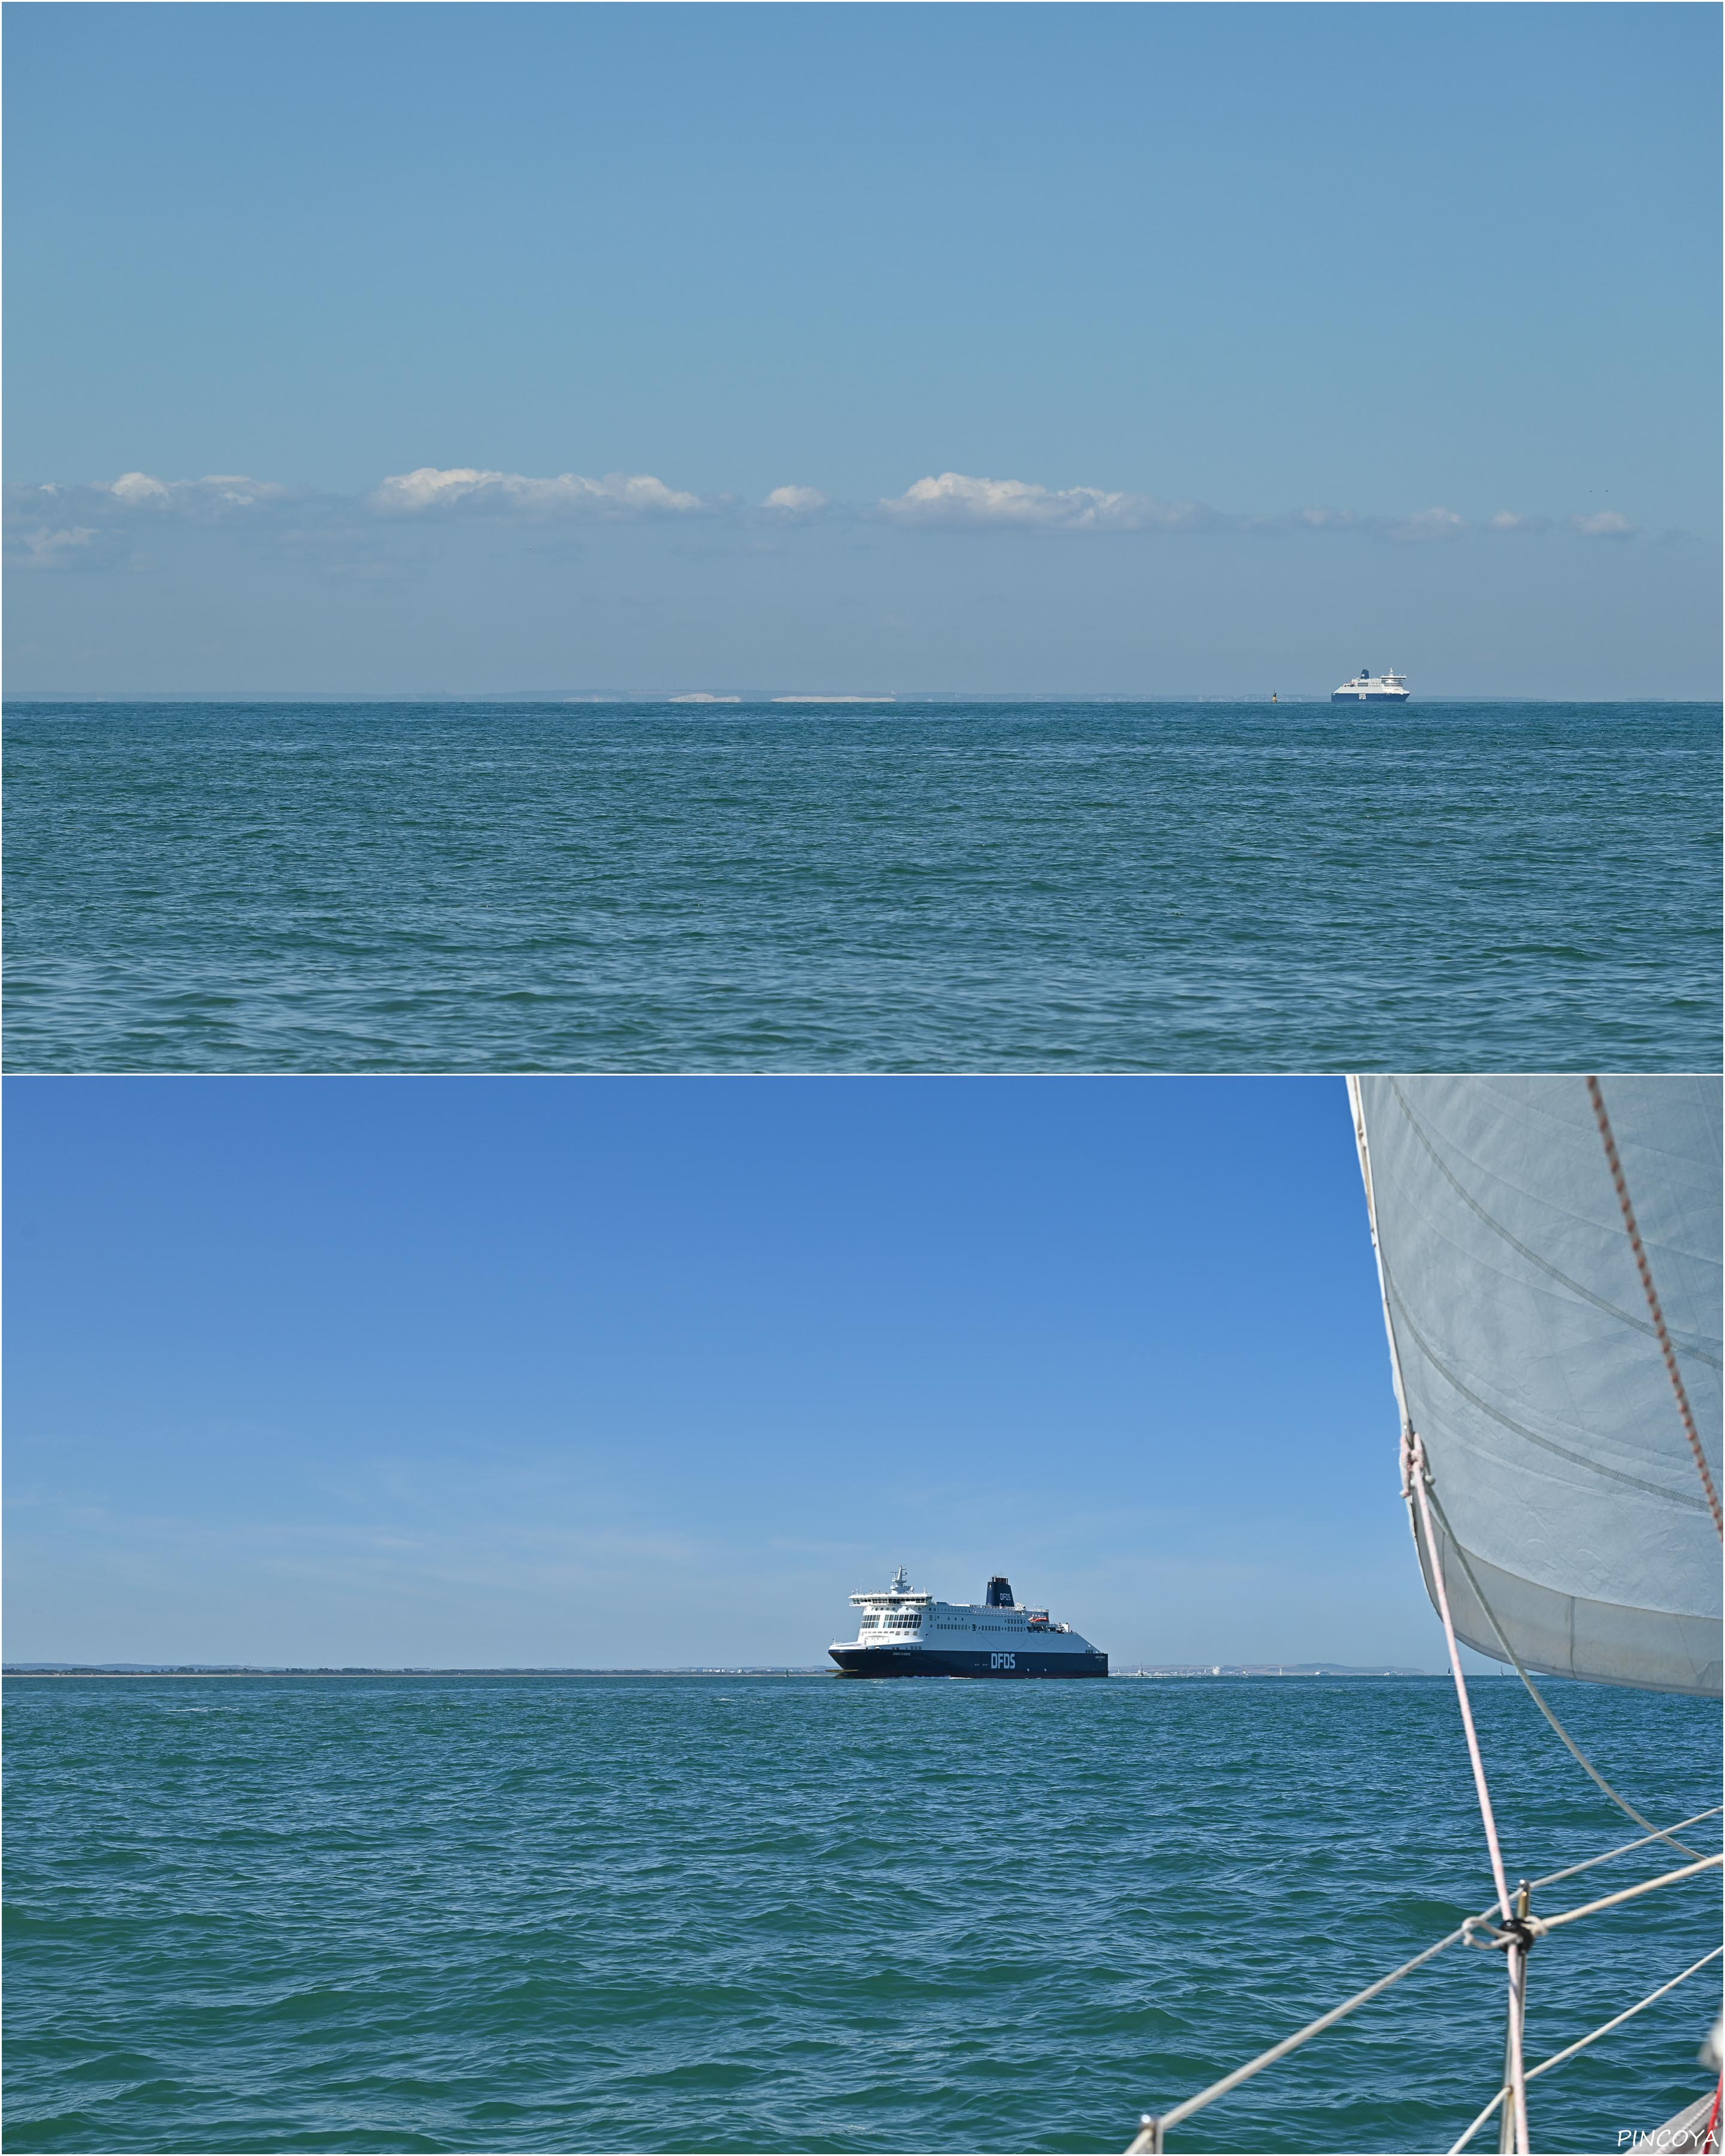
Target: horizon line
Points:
(703, 701)
(1184, 1670)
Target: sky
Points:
(614, 1372)
(1132, 350)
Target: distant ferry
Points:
(1372, 688)
(904, 1632)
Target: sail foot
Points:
(1569, 1636)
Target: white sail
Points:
(1528, 1359)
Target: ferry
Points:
(1365, 687)
(904, 1632)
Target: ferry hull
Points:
(1376, 696)
(975, 1662)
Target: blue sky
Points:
(1161, 350)
(608, 1372)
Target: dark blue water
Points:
(768, 1914)
(1038, 887)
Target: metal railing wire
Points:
(1153, 2127)
(1582, 2043)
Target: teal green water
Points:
(983, 887)
(798, 1914)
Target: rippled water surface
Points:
(1091, 886)
(663, 1913)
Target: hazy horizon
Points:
(755, 696)
(53, 1666)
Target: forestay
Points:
(1528, 1358)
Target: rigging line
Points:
(1538, 1698)
(1207, 2097)
(1153, 2128)
(1597, 1096)
(1604, 2029)
(1658, 1833)
(1540, 1925)
(1420, 1481)
(1516, 2134)
(1516, 1958)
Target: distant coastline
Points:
(764, 696)
(1182, 1670)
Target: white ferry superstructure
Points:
(1390, 688)
(904, 1632)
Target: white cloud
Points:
(45, 548)
(954, 498)
(618, 494)
(1603, 524)
(100, 524)
(217, 491)
(94, 525)
(1427, 524)
(138, 487)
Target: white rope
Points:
(1621, 1186)
(1154, 2127)
(1517, 1956)
(1520, 2136)
(1659, 1833)
(1604, 2029)
(1538, 1698)
(1539, 1926)
(1422, 1498)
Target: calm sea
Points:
(986, 887)
(708, 1913)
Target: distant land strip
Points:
(407, 1670)
(681, 1669)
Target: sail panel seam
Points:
(1543, 1265)
(1399, 1310)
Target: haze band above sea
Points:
(908, 887)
